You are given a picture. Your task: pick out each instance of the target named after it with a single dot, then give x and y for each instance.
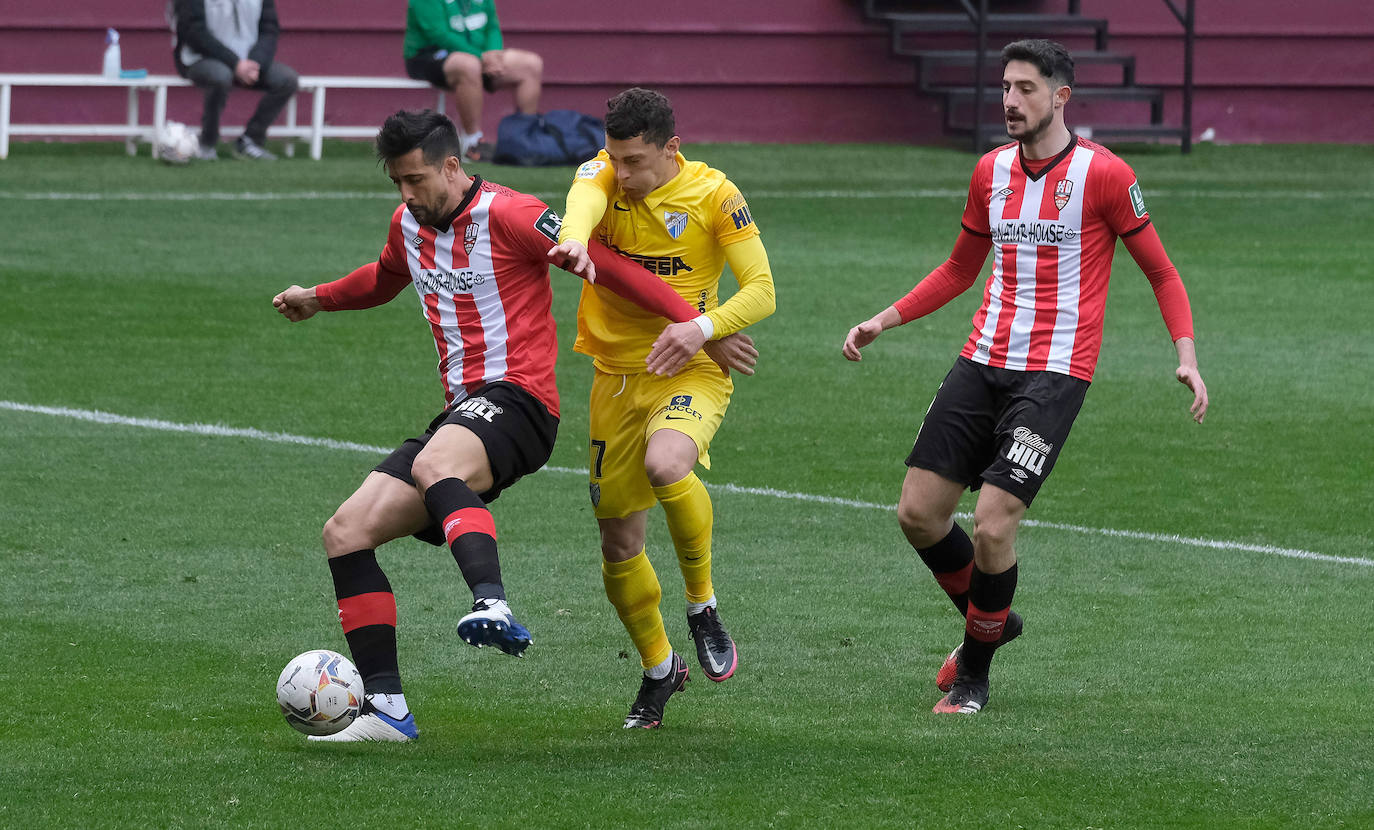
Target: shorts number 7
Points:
(600, 447)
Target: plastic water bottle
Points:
(111, 67)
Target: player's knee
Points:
(993, 534)
(462, 68)
(669, 462)
(922, 525)
(342, 534)
(534, 66)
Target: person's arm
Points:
(195, 32)
(265, 50)
(1147, 250)
(492, 41)
(371, 285)
(751, 303)
(952, 278)
(588, 198)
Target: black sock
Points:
(367, 610)
(989, 601)
(471, 533)
(951, 562)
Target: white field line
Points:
(98, 417)
(922, 193)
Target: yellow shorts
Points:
(627, 409)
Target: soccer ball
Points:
(176, 143)
(320, 692)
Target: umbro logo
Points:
(418, 241)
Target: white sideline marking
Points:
(924, 193)
(98, 417)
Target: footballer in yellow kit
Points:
(651, 421)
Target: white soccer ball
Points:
(320, 692)
(176, 143)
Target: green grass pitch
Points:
(154, 582)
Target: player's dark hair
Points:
(640, 112)
(428, 130)
(1052, 59)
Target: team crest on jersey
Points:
(675, 221)
(469, 237)
(1062, 193)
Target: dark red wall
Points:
(763, 70)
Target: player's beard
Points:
(1032, 134)
(426, 214)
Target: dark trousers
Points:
(215, 79)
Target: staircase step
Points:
(994, 93)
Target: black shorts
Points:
(429, 66)
(997, 425)
(517, 430)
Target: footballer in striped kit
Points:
(1050, 207)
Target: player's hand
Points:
(735, 351)
(296, 303)
(860, 336)
(674, 347)
(572, 257)
(1191, 378)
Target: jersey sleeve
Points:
(975, 218)
(632, 281)
(372, 284)
(1123, 206)
(588, 197)
(494, 41)
(530, 226)
(733, 222)
(755, 298)
(1148, 252)
(952, 278)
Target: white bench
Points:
(134, 130)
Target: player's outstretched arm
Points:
(296, 303)
(1188, 375)
(868, 331)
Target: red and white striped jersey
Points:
(1053, 235)
(484, 288)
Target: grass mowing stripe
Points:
(304, 440)
(926, 193)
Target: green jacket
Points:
(453, 25)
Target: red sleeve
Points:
(948, 281)
(533, 226)
(634, 282)
(1148, 252)
(975, 218)
(1119, 194)
(373, 284)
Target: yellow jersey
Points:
(685, 232)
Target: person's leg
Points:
(278, 84)
(925, 512)
(463, 74)
(523, 74)
(214, 79)
(383, 508)
(621, 497)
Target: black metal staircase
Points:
(968, 80)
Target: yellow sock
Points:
(687, 506)
(632, 587)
